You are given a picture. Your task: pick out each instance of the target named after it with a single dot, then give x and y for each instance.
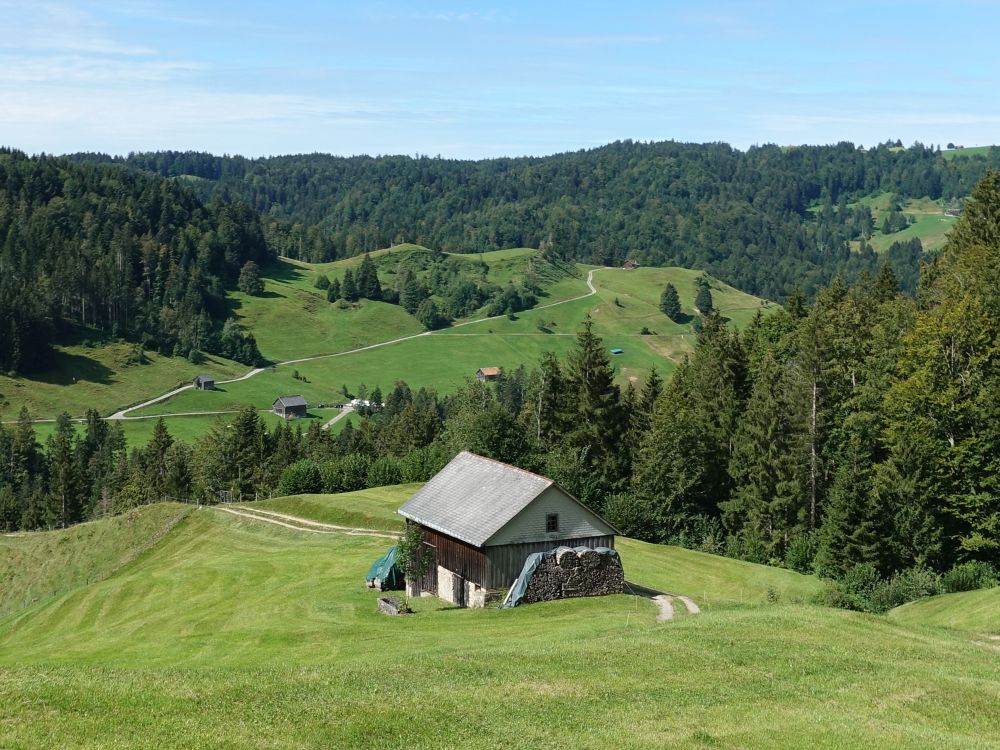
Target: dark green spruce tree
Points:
(703, 296)
(670, 303)
(768, 503)
(367, 281)
(596, 426)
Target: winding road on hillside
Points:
(122, 414)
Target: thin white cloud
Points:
(61, 27)
(84, 69)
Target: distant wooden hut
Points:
(290, 407)
(204, 383)
(482, 518)
(629, 264)
(487, 374)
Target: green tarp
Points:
(385, 574)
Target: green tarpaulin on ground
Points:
(385, 574)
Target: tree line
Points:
(100, 252)
(743, 216)
(424, 276)
(856, 436)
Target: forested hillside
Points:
(105, 252)
(742, 216)
(856, 436)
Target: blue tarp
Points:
(385, 574)
(531, 564)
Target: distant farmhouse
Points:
(483, 518)
(629, 264)
(290, 407)
(204, 383)
(487, 374)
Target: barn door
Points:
(458, 590)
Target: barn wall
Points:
(493, 567)
(575, 521)
(457, 556)
(506, 561)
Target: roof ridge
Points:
(508, 466)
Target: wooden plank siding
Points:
(492, 567)
(457, 556)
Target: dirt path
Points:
(302, 524)
(692, 608)
(666, 608)
(343, 413)
(123, 413)
(664, 601)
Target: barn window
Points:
(552, 522)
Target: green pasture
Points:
(82, 378)
(289, 323)
(38, 565)
(971, 151)
(710, 579)
(370, 509)
(977, 611)
(931, 229)
(234, 633)
(293, 320)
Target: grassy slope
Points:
(708, 578)
(290, 323)
(931, 225)
(954, 153)
(443, 360)
(238, 634)
(371, 508)
(38, 565)
(81, 377)
(978, 611)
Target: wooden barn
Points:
(290, 407)
(482, 518)
(204, 383)
(487, 374)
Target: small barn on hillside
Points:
(290, 407)
(630, 264)
(487, 374)
(483, 518)
(204, 383)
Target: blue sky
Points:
(472, 79)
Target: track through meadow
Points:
(122, 414)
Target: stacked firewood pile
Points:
(567, 572)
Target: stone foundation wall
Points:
(566, 573)
(447, 581)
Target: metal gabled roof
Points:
(473, 497)
(287, 401)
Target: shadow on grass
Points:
(285, 272)
(65, 369)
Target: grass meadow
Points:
(977, 611)
(626, 302)
(231, 633)
(293, 320)
(101, 378)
